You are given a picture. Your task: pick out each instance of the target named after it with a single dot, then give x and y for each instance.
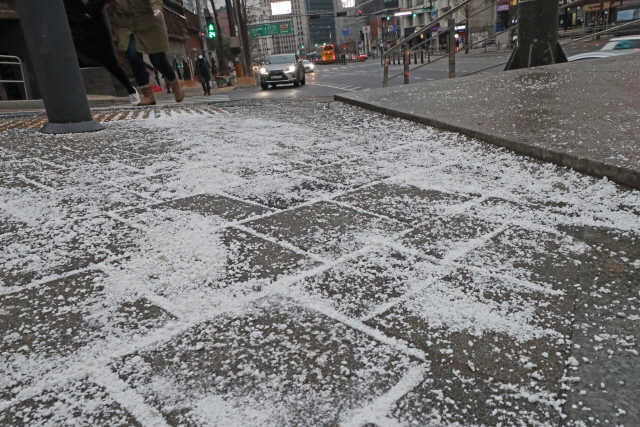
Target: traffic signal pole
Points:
(46, 31)
(537, 35)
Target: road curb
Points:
(590, 166)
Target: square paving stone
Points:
(349, 174)
(228, 209)
(48, 323)
(487, 327)
(536, 256)
(606, 339)
(62, 246)
(77, 403)
(284, 191)
(358, 286)
(402, 202)
(250, 258)
(157, 187)
(326, 229)
(454, 398)
(440, 236)
(274, 364)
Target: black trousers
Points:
(205, 85)
(159, 61)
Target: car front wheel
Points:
(264, 86)
(296, 82)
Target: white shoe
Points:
(134, 98)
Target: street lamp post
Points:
(46, 31)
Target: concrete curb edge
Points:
(621, 175)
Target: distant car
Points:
(282, 69)
(615, 47)
(308, 66)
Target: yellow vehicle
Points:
(326, 54)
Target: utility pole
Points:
(46, 31)
(537, 35)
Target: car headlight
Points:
(264, 71)
(311, 66)
(291, 69)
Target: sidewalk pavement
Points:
(315, 264)
(583, 115)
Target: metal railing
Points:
(13, 61)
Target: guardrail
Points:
(13, 61)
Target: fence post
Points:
(385, 79)
(452, 48)
(422, 56)
(407, 64)
(46, 31)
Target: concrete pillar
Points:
(537, 35)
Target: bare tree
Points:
(243, 27)
(467, 11)
(218, 41)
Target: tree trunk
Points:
(468, 38)
(244, 34)
(219, 53)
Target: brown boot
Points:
(176, 88)
(149, 98)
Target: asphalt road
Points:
(329, 80)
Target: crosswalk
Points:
(192, 99)
(346, 88)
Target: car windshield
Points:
(281, 59)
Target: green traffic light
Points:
(388, 18)
(414, 15)
(316, 44)
(211, 31)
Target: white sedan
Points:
(309, 67)
(615, 47)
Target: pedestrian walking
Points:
(203, 72)
(230, 65)
(92, 40)
(141, 29)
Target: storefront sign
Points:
(596, 6)
(271, 29)
(502, 7)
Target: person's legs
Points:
(204, 86)
(137, 64)
(208, 86)
(159, 60)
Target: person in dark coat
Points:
(203, 72)
(92, 40)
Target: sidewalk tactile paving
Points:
(129, 114)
